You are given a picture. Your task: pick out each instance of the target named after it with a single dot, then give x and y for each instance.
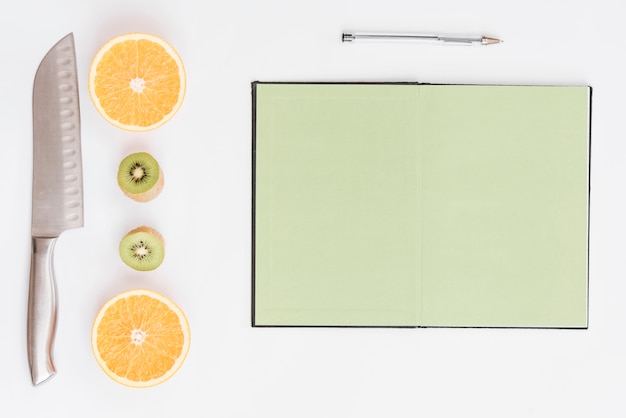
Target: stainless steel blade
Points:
(57, 166)
(57, 193)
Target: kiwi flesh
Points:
(140, 177)
(142, 248)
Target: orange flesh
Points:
(140, 339)
(137, 82)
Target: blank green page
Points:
(420, 205)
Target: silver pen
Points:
(429, 39)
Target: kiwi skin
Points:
(122, 178)
(147, 238)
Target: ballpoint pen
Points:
(430, 39)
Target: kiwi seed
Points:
(140, 177)
(142, 248)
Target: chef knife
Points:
(57, 203)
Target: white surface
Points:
(234, 370)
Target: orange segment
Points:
(140, 338)
(137, 81)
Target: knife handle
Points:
(42, 310)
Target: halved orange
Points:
(140, 338)
(137, 81)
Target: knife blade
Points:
(57, 202)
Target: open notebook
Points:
(420, 205)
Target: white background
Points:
(232, 369)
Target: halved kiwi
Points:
(143, 248)
(140, 177)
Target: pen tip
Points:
(489, 41)
(347, 37)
